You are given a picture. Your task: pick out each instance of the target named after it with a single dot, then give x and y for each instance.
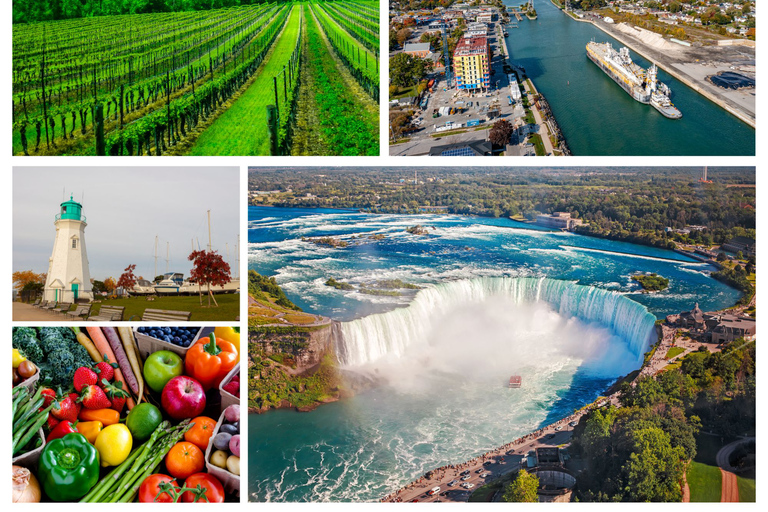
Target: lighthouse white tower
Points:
(69, 279)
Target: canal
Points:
(596, 116)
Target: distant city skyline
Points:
(125, 208)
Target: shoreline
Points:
(677, 74)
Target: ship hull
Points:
(636, 95)
(669, 113)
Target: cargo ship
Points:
(639, 83)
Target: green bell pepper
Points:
(69, 467)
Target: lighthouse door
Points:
(75, 287)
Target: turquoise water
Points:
(499, 299)
(596, 116)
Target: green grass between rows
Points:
(242, 128)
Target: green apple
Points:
(160, 367)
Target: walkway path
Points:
(543, 129)
(730, 490)
(26, 313)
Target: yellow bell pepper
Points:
(90, 429)
(231, 334)
(18, 358)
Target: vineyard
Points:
(264, 79)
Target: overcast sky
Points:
(125, 208)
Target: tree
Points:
(209, 268)
(501, 132)
(405, 70)
(721, 256)
(523, 488)
(109, 284)
(655, 469)
(127, 279)
(22, 278)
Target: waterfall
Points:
(370, 338)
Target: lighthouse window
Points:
(74, 243)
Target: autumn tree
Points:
(523, 488)
(501, 132)
(110, 284)
(209, 269)
(127, 280)
(22, 278)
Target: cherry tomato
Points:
(213, 490)
(149, 491)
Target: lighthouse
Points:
(69, 279)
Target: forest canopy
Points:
(28, 11)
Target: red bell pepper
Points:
(62, 429)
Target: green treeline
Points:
(652, 282)
(638, 452)
(631, 205)
(28, 11)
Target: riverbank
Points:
(691, 66)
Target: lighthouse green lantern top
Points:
(71, 210)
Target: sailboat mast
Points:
(155, 256)
(210, 245)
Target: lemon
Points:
(114, 444)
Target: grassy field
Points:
(746, 489)
(228, 134)
(674, 351)
(705, 482)
(228, 310)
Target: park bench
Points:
(62, 307)
(80, 311)
(37, 303)
(164, 315)
(109, 314)
(49, 305)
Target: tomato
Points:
(150, 489)
(200, 434)
(184, 459)
(211, 488)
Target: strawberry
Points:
(66, 409)
(93, 397)
(106, 370)
(52, 422)
(116, 394)
(84, 376)
(49, 395)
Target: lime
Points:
(143, 420)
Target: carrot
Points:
(122, 358)
(86, 342)
(126, 336)
(102, 344)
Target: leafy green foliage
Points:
(259, 285)
(522, 489)
(651, 282)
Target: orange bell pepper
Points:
(105, 416)
(210, 362)
(90, 429)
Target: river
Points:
(596, 116)
(499, 297)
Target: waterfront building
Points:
(471, 64)
(726, 327)
(68, 278)
(559, 220)
(740, 244)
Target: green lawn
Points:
(746, 489)
(228, 310)
(362, 58)
(242, 128)
(538, 144)
(674, 351)
(705, 482)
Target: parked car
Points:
(467, 485)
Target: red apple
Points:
(183, 397)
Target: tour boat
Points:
(515, 381)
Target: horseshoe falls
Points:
(380, 335)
